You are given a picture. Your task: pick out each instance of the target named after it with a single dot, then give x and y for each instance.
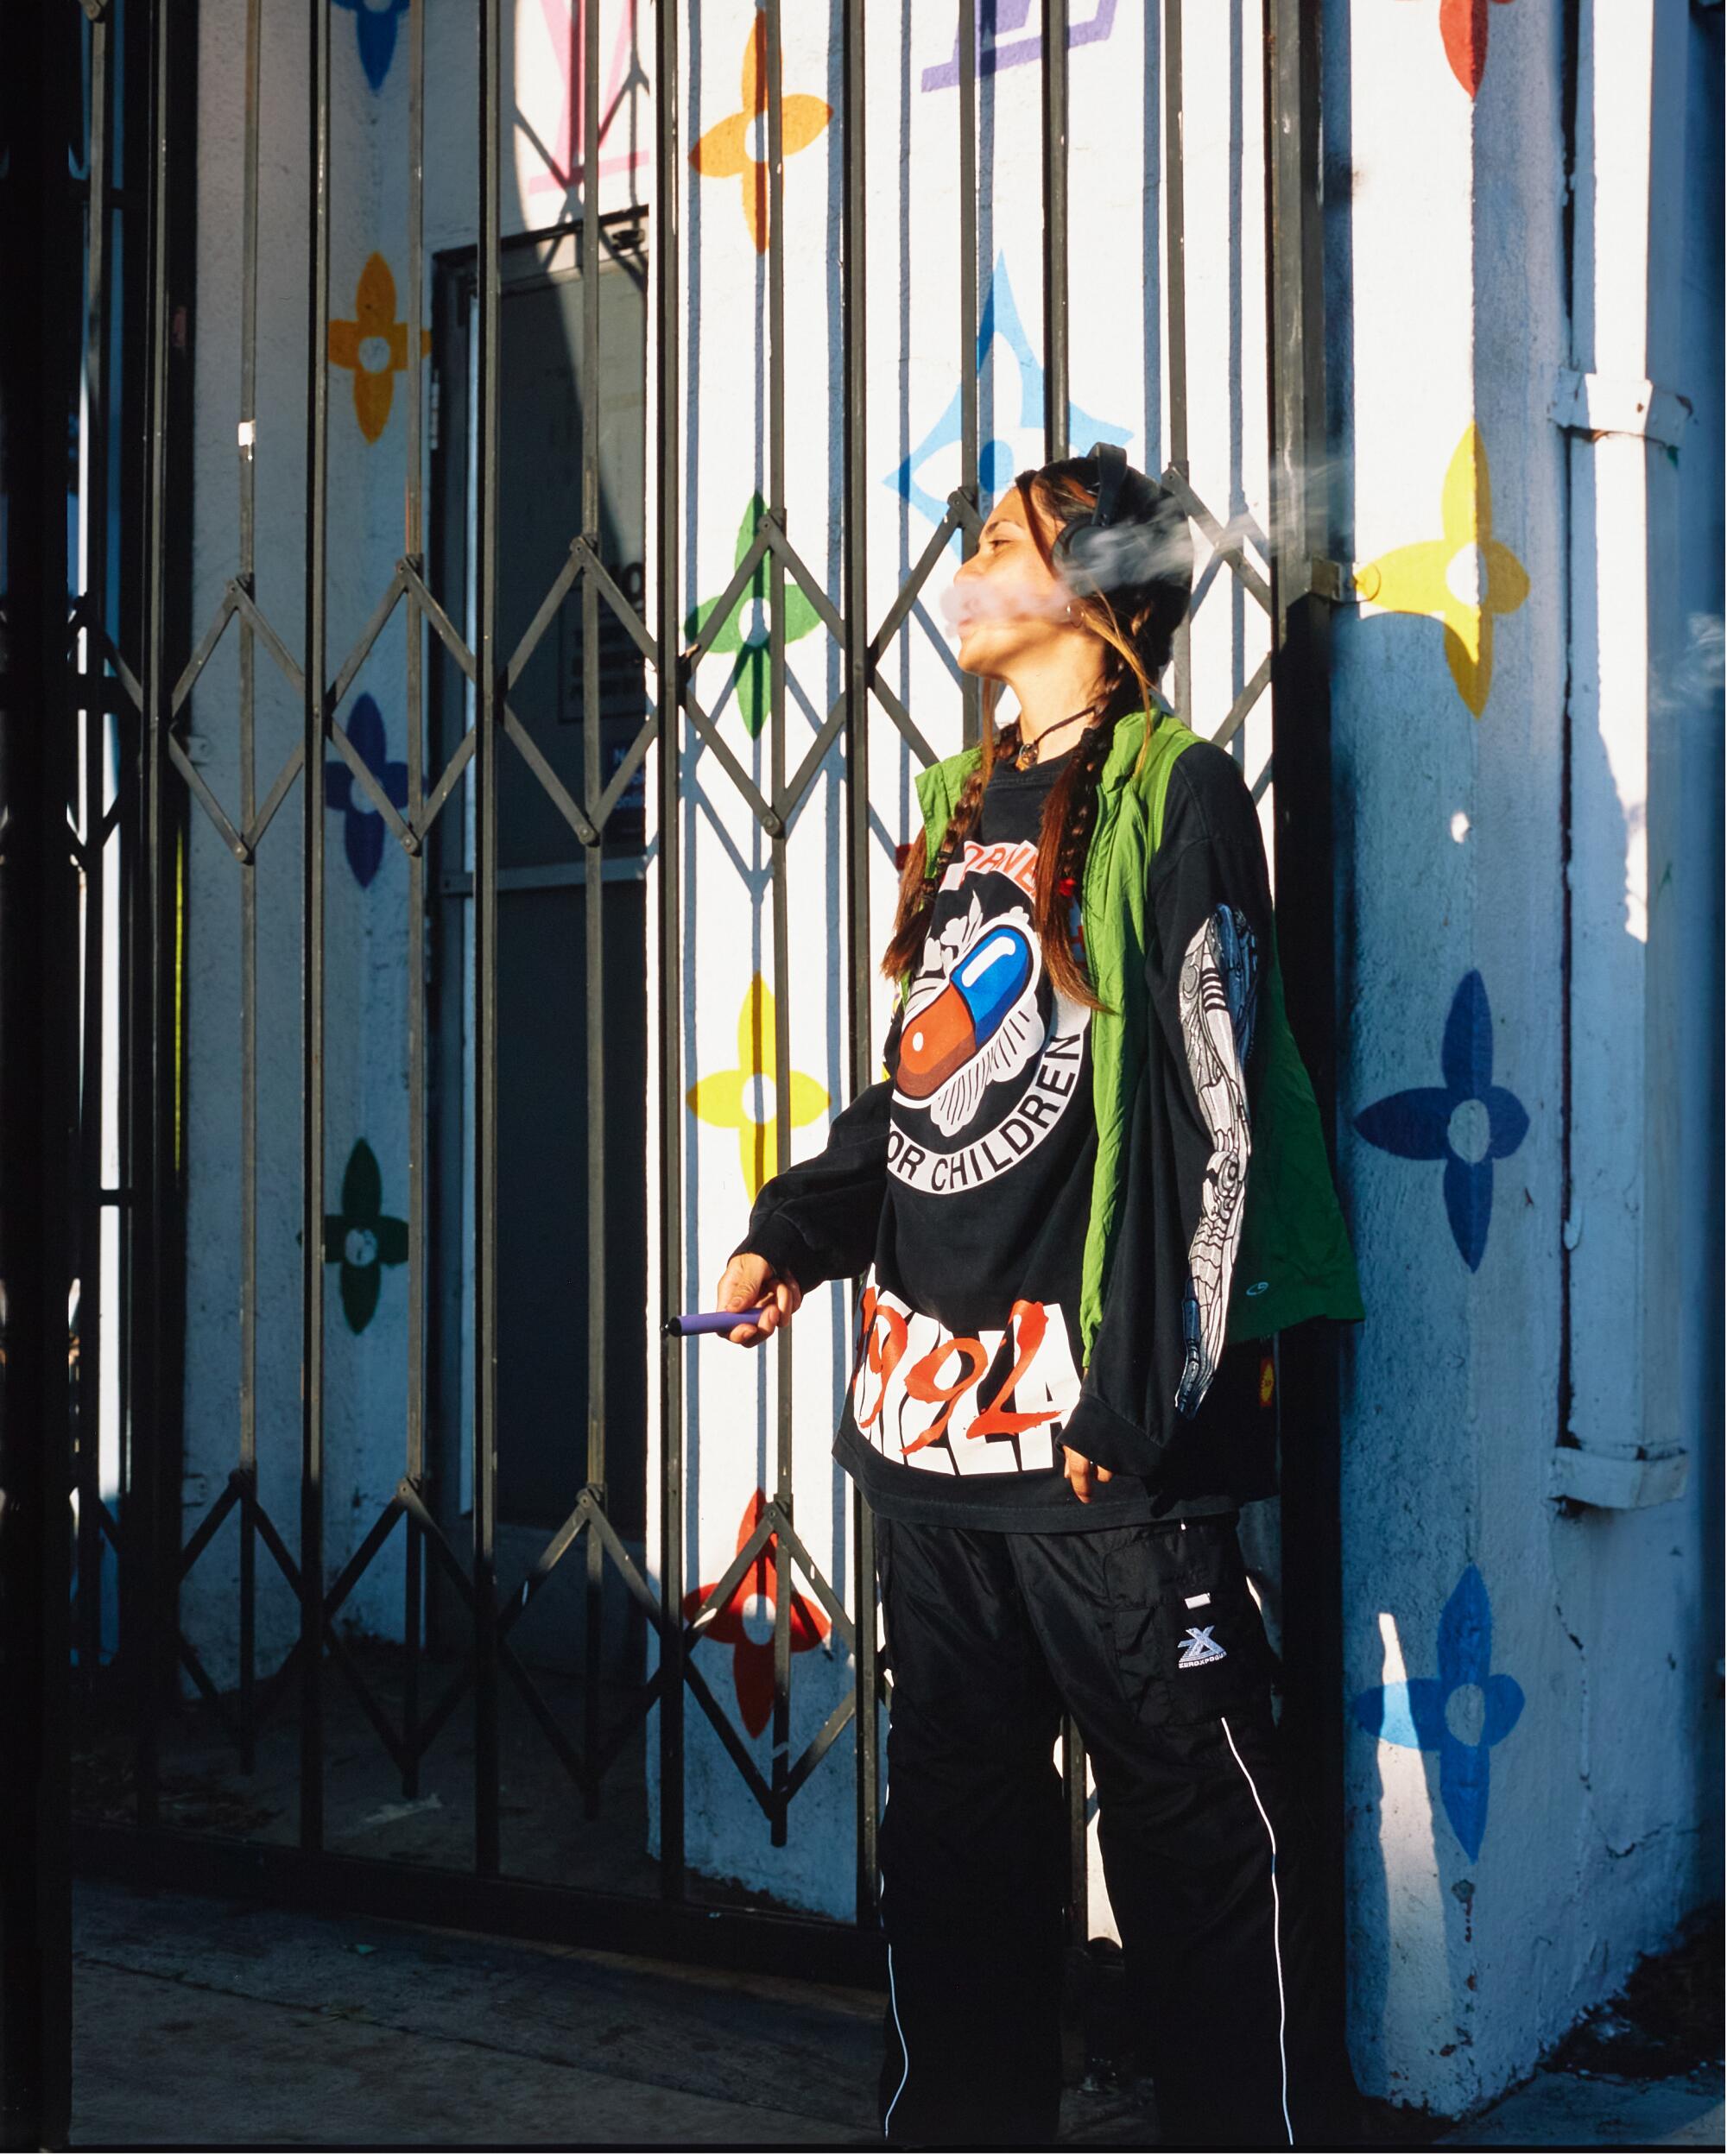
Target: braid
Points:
(1070, 815)
(920, 880)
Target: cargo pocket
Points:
(1215, 1654)
(1189, 1641)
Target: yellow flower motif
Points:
(737, 146)
(374, 344)
(742, 1100)
(1465, 577)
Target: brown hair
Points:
(1138, 630)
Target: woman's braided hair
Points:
(1138, 630)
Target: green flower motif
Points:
(747, 628)
(363, 1238)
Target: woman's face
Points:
(1009, 608)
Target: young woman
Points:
(1090, 1188)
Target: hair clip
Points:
(1067, 887)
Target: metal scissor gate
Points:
(206, 1751)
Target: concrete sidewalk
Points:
(220, 2024)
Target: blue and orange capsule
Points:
(960, 1021)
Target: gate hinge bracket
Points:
(1615, 1481)
(1332, 581)
(1617, 404)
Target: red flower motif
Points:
(752, 1661)
(1463, 25)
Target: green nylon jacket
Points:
(1294, 1260)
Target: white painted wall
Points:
(1480, 1927)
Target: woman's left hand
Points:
(1084, 1474)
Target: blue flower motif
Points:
(375, 24)
(1414, 1714)
(1421, 1124)
(361, 825)
(999, 460)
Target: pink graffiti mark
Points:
(998, 47)
(566, 20)
(1462, 27)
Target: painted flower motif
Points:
(1469, 1123)
(746, 629)
(927, 475)
(361, 825)
(375, 23)
(745, 1624)
(1465, 577)
(375, 346)
(1461, 1714)
(1463, 31)
(742, 1099)
(361, 1239)
(737, 147)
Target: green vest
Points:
(1293, 1260)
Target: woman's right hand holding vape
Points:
(750, 1283)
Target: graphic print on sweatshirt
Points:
(990, 1066)
(982, 1078)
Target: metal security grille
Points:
(138, 658)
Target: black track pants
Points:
(1150, 1635)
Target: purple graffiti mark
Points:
(1415, 1713)
(1421, 1124)
(997, 460)
(998, 19)
(375, 24)
(361, 825)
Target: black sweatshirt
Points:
(961, 1185)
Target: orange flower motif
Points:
(738, 146)
(374, 344)
(746, 1623)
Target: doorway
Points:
(557, 1160)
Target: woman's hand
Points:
(1084, 1474)
(750, 1283)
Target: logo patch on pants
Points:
(1200, 1648)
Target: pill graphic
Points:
(960, 1022)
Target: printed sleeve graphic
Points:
(1218, 995)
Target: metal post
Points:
(1307, 1373)
(487, 719)
(38, 1030)
(669, 180)
(860, 956)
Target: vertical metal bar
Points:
(248, 911)
(594, 889)
(484, 767)
(93, 522)
(1175, 311)
(148, 1523)
(1055, 393)
(781, 925)
(1308, 1378)
(93, 592)
(667, 181)
(413, 545)
(971, 709)
(860, 968)
(312, 1035)
(1055, 102)
(38, 1033)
